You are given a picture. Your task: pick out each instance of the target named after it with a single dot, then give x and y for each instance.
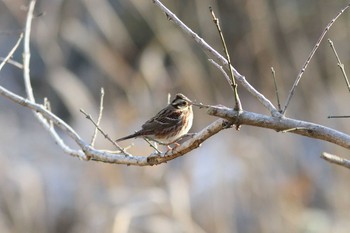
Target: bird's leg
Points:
(170, 149)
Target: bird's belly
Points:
(169, 139)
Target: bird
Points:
(169, 125)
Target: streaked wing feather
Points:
(164, 119)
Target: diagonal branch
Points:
(9, 55)
(301, 72)
(233, 84)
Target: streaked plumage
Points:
(171, 123)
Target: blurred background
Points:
(252, 180)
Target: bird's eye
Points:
(179, 103)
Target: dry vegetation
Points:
(252, 180)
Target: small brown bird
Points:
(169, 125)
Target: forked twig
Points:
(99, 117)
(301, 72)
(233, 84)
(88, 116)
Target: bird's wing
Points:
(164, 119)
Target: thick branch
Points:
(283, 124)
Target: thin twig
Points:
(340, 64)
(47, 105)
(301, 72)
(293, 129)
(276, 89)
(9, 55)
(153, 146)
(88, 116)
(338, 117)
(336, 159)
(12, 62)
(221, 69)
(238, 104)
(99, 118)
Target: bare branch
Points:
(121, 150)
(301, 72)
(304, 128)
